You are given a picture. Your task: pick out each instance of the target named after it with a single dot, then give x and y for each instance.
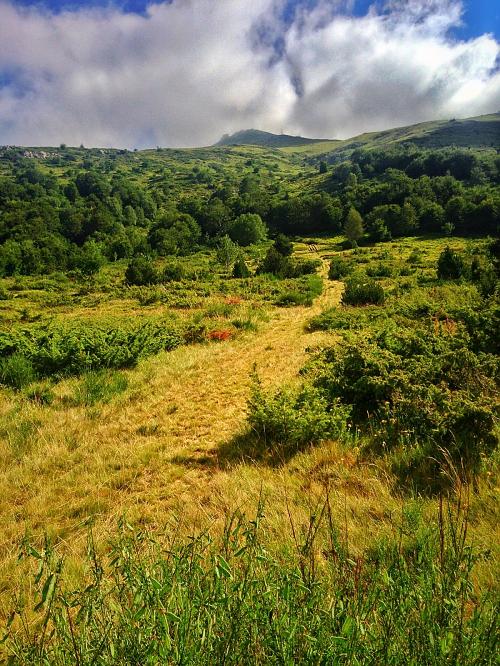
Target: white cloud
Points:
(191, 70)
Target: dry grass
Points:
(154, 452)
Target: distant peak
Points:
(256, 137)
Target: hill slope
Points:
(258, 138)
(478, 132)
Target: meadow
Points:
(168, 446)
(249, 404)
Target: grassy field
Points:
(167, 446)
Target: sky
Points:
(180, 73)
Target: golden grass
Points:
(154, 453)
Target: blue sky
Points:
(480, 16)
(196, 69)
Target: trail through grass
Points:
(154, 449)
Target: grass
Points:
(167, 446)
(233, 600)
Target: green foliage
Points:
(28, 354)
(240, 269)
(247, 229)
(274, 262)
(283, 245)
(99, 387)
(304, 293)
(360, 290)
(339, 268)
(234, 600)
(450, 265)
(17, 371)
(353, 227)
(140, 271)
(294, 419)
(173, 272)
(227, 252)
(415, 386)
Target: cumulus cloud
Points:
(189, 70)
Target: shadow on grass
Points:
(247, 447)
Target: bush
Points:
(450, 265)
(380, 270)
(410, 385)
(240, 269)
(339, 268)
(140, 272)
(283, 245)
(75, 349)
(173, 272)
(294, 419)
(274, 262)
(363, 291)
(302, 267)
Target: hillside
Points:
(259, 138)
(478, 132)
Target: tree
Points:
(227, 251)
(247, 229)
(240, 269)
(274, 263)
(379, 232)
(353, 228)
(90, 258)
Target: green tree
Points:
(227, 252)
(240, 269)
(353, 228)
(247, 229)
(140, 271)
(283, 245)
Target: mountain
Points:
(481, 131)
(477, 132)
(267, 139)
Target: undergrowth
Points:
(234, 600)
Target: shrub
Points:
(140, 272)
(294, 419)
(339, 268)
(173, 272)
(240, 269)
(283, 245)
(363, 291)
(380, 270)
(274, 262)
(411, 385)
(73, 349)
(302, 267)
(450, 265)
